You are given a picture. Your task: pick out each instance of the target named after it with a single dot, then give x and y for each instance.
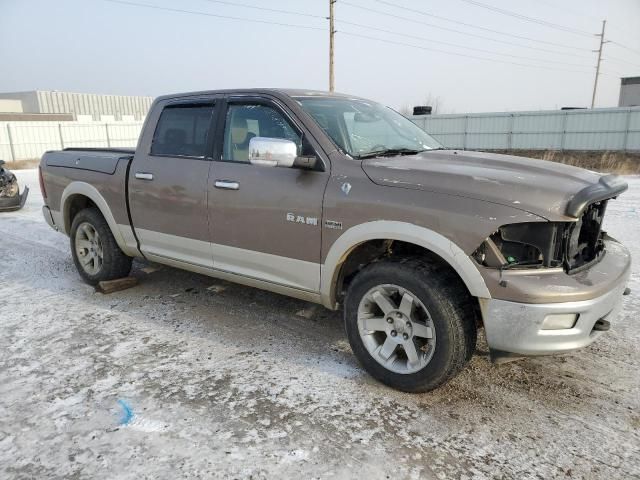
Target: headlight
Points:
(9, 190)
(533, 244)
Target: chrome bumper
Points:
(515, 329)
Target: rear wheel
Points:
(94, 249)
(410, 323)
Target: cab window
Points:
(246, 121)
(183, 130)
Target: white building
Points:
(87, 106)
(629, 92)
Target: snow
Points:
(231, 382)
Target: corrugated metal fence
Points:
(599, 129)
(616, 129)
(29, 140)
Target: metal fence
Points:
(29, 140)
(599, 129)
(614, 129)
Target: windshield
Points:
(362, 128)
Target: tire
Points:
(438, 319)
(91, 237)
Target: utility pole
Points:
(595, 82)
(331, 34)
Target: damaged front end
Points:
(573, 246)
(10, 197)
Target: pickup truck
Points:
(341, 201)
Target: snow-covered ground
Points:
(186, 376)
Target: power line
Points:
(528, 18)
(475, 35)
(458, 45)
(570, 10)
(619, 60)
(393, 42)
(576, 12)
(310, 15)
(626, 48)
(352, 34)
(470, 25)
(207, 14)
(265, 9)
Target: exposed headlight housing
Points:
(571, 245)
(531, 244)
(8, 183)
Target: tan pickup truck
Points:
(341, 201)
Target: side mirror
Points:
(272, 152)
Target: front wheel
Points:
(410, 323)
(94, 249)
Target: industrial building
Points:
(80, 106)
(629, 92)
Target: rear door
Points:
(168, 182)
(265, 222)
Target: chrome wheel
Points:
(89, 248)
(396, 329)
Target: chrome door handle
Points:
(144, 176)
(227, 184)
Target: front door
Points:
(168, 184)
(265, 222)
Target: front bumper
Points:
(9, 204)
(515, 329)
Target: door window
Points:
(183, 130)
(246, 121)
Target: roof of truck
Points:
(291, 92)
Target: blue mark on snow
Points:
(127, 412)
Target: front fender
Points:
(401, 231)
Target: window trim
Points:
(211, 131)
(232, 101)
(273, 102)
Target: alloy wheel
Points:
(396, 328)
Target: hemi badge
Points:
(333, 224)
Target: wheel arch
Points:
(384, 230)
(77, 192)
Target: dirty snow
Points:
(232, 382)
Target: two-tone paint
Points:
(171, 210)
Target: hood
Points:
(536, 186)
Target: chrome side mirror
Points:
(272, 152)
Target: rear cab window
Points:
(183, 130)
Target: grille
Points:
(583, 240)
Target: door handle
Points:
(227, 184)
(144, 176)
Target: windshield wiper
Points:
(387, 152)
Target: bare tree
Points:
(435, 102)
(406, 110)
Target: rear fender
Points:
(123, 234)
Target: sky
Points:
(463, 55)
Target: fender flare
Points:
(92, 193)
(401, 231)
